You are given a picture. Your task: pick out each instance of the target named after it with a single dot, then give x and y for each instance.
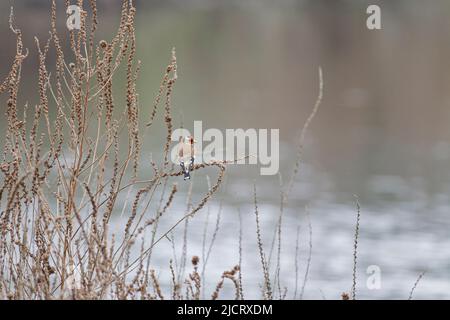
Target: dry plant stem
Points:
(156, 284)
(213, 239)
(174, 259)
(175, 286)
(355, 246)
(303, 134)
(297, 240)
(415, 285)
(278, 234)
(205, 231)
(183, 258)
(241, 290)
(231, 275)
(285, 195)
(308, 262)
(267, 290)
(161, 211)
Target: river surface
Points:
(399, 240)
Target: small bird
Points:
(186, 154)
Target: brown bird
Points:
(186, 155)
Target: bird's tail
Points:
(187, 174)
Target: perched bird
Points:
(186, 155)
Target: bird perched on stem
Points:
(186, 154)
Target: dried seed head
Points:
(195, 260)
(18, 124)
(103, 44)
(72, 65)
(4, 166)
(50, 270)
(345, 296)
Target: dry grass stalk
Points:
(303, 134)
(355, 247)
(231, 275)
(297, 249)
(211, 244)
(308, 262)
(241, 289)
(267, 289)
(415, 285)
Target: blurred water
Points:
(402, 239)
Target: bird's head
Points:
(189, 140)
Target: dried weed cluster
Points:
(73, 160)
(66, 169)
